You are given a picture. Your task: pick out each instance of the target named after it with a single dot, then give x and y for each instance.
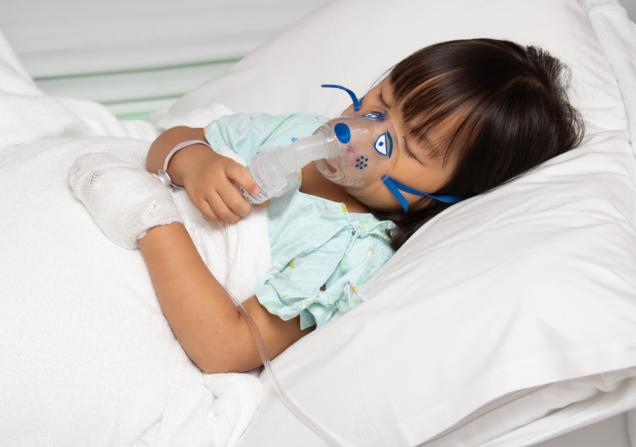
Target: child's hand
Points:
(210, 180)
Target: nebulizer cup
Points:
(351, 150)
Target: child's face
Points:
(420, 171)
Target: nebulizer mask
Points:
(355, 150)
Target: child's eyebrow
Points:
(381, 96)
(382, 99)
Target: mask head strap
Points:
(356, 102)
(395, 187)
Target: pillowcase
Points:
(334, 45)
(531, 284)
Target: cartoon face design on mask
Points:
(363, 152)
(363, 149)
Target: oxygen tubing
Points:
(262, 350)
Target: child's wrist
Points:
(183, 159)
(154, 232)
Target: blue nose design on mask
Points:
(343, 133)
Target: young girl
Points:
(468, 115)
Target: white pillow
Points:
(531, 284)
(353, 42)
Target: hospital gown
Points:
(321, 253)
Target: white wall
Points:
(136, 56)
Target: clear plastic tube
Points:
(274, 170)
(262, 350)
(291, 405)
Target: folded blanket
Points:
(87, 356)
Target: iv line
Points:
(262, 350)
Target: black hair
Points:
(511, 108)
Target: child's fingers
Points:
(234, 200)
(242, 176)
(220, 208)
(206, 210)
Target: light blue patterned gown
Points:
(321, 253)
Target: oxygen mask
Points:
(353, 150)
(360, 148)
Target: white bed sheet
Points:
(87, 356)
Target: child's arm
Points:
(200, 312)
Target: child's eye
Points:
(409, 153)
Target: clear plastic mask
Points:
(362, 148)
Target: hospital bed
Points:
(579, 395)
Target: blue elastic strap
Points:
(356, 102)
(395, 187)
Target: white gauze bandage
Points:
(124, 200)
